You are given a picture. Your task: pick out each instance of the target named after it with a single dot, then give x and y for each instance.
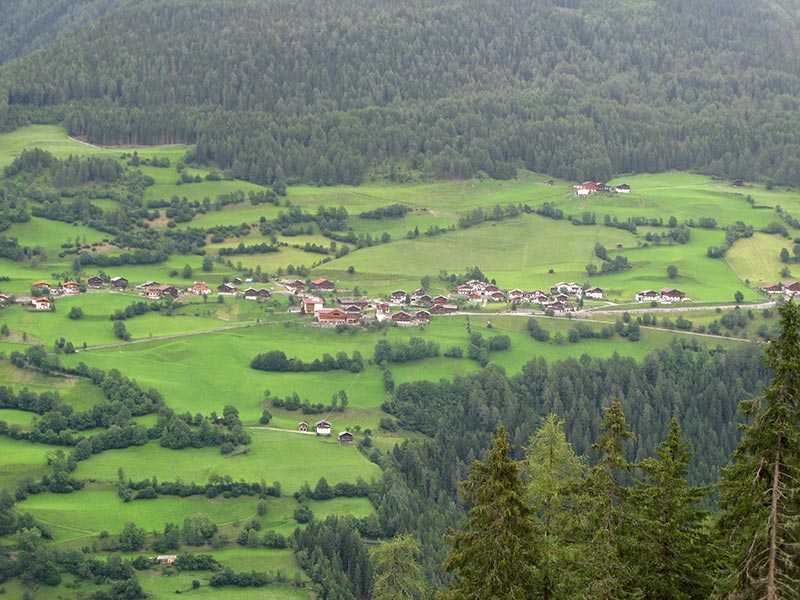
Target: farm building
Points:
(323, 427)
(323, 284)
(303, 426)
(95, 282)
(42, 303)
(345, 437)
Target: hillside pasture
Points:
(758, 259)
(22, 459)
(272, 456)
(85, 513)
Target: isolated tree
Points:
(672, 271)
(75, 313)
(398, 573)
(759, 491)
(738, 296)
(120, 331)
(495, 554)
(554, 474)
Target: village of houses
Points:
(401, 307)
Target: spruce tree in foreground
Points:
(760, 490)
(554, 475)
(674, 551)
(494, 555)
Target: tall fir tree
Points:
(759, 491)
(554, 473)
(675, 550)
(606, 566)
(495, 554)
(398, 574)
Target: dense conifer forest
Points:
(327, 91)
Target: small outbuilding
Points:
(345, 437)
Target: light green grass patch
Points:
(22, 459)
(758, 258)
(161, 588)
(356, 507)
(87, 512)
(272, 456)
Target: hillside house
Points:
(399, 297)
(345, 437)
(166, 559)
(595, 293)
(42, 286)
(358, 302)
(333, 316)
(647, 296)
(444, 309)
(303, 426)
(323, 427)
(324, 285)
(156, 292)
(672, 295)
(42, 303)
(312, 305)
(774, 288)
(71, 287)
(556, 307)
(95, 282)
(790, 287)
(119, 282)
(623, 188)
(423, 316)
(250, 293)
(402, 318)
(199, 288)
(295, 286)
(439, 299)
(228, 289)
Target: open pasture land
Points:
(79, 393)
(22, 459)
(161, 588)
(272, 456)
(85, 513)
(758, 259)
(516, 252)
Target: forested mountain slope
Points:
(323, 90)
(30, 24)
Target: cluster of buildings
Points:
(789, 288)
(419, 306)
(663, 296)
(590, 187)
(324, 427)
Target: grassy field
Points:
(272, 456)
(22, 459)
(84, 514)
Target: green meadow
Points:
(272, 456)
(22, 459)
(85, 513)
